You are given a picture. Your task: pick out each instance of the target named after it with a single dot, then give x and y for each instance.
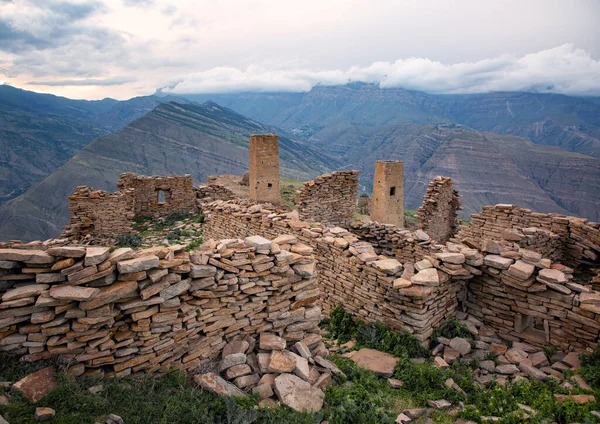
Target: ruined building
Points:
(527, 276)
(388, 193)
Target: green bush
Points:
(344, 326)
(590, 368)
(175, 217)
(450, 329)
(194, 244)
(129, 240)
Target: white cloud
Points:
(564, 69)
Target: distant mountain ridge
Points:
(572, 123)
(40, 132)
(173, 138)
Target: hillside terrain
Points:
(172, 139)
(572, 123)
(40, 132)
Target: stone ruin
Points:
(266, 272)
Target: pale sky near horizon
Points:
(123, 48)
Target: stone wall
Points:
(329, 199)
(350, 271)
(383, 273)
(146, 311)
(437, 214)
(99, 212)
(212, 192)
(160, 196)
(568, 239)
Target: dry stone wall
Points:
(437, 214)
(99, 212)
(515, 291)
(329, 199)
(130, 311)
(160, 196)
(568, 239)
(212, 192)
(350, 271)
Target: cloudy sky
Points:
(122, 48)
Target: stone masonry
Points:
(438, 214)
(160, 196)
(264, 169)
(329, 199)
(99, 212)
(387, 206)
(123, 312)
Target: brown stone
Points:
(37, 385)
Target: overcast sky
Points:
(124, 48)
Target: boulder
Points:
(298, 394)
(426, 277)
(213, 383)
(37, 385)
(380, 363)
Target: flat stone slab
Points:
(298, 394)
(388, 266)
(38, 257)
(426, 277)
(68, 292)
(496, 261)
(259, 242)
(67, 251)
(143, 263)
(96, 255)
(37, 385)
(213, 383)
(380, 363)
(25, 291)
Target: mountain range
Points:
(40, 132)
(173, 138)
(536, 150)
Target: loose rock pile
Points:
(295, 374)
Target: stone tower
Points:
(264, 169)
(388, 193)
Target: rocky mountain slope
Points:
(171, 139)
(40, 132)
(572, 123)
(487, 168)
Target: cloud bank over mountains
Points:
(564, 69)
(124, 48)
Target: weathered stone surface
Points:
(496, 261)
(552, 276)
(533, 372)
(37, 385)
(24, 291)
(380, 363)
(388, 266)
(281, 362)
(508, 369)
(521, 270)
(96, 255)
(452, 258)
(143, 263)
(213, 383)
(232, 360)
(44, 414)
(68, 292)
(37, 257)
(260, 243)
(111, 294)
(461, 345)
(439, 404)
(67, 251)
(581, 399)
(426, 277)
(269, 341)
(298, 394)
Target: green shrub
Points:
(450, 329)
(129, 240)
(344, 326)
(590, 368)
(175, 217)
(194, 244)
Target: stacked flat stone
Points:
(330, 199)
(437, 214)
(568, 239)
(178, 192)
(211, 192)
(271, 367)
(130, 311)
(99, 212)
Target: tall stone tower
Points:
(388, 193)
(264, 169)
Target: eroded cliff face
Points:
(487, 168)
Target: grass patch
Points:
(344, 327)
(450, 329)
(128, 240)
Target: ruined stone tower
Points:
(388, 193)
(264, 169)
